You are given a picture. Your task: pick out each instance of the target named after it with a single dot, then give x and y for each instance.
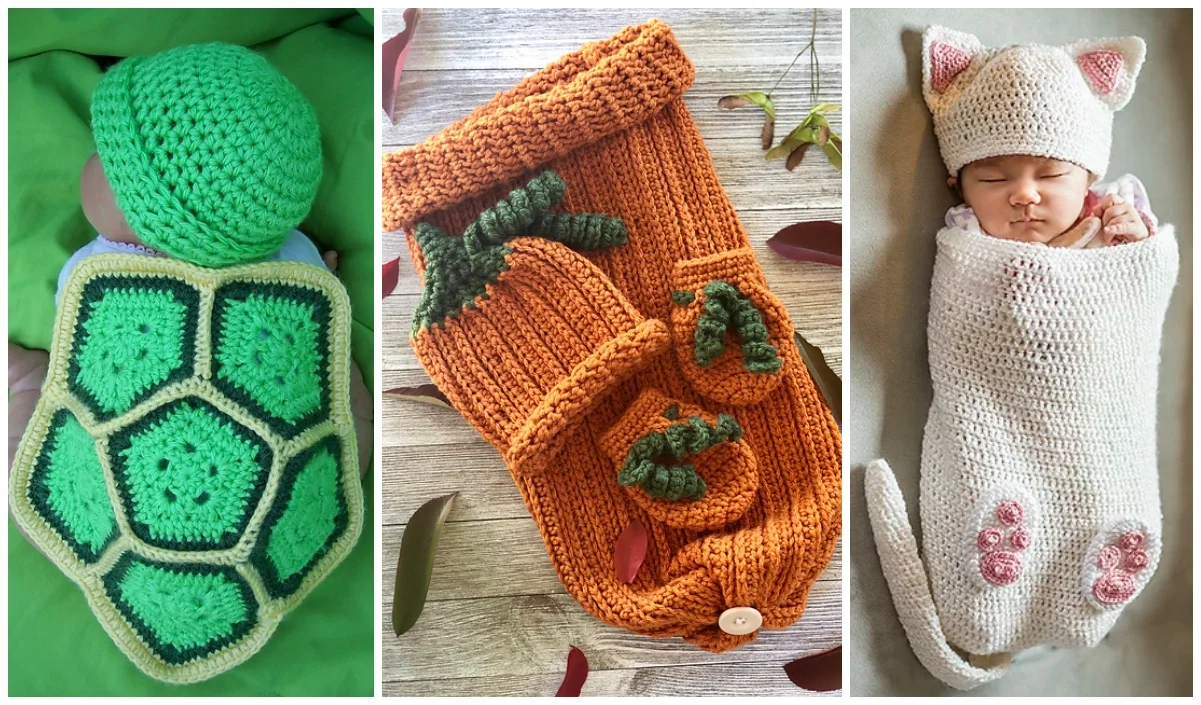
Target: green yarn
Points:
(682, 298)
(725, 305)
(583, 231)
(133, 336)
(672, 412)
(677, 442)
(69, 490)
(281, 377)
(459, 270)
(190, 476)
(454, 278)
(516, 215)
(134, 340)
(213, 156)
(182, 611)
(269, 347)
(309, 517)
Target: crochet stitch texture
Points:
(1040, 501)
(561, 359)
(213, 156)
(192, 463)
(1030, 99)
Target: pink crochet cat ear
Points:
(1109, 67)
(947, 57)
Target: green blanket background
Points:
(56, 646)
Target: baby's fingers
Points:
(1126, 230)
(1108, 201)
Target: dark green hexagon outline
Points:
(167, 652)
(94, 291)
(122, 439)
(239, 290)
(39, 496)
(258, 557)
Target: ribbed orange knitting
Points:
(602, 322)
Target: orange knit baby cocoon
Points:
(592, 307)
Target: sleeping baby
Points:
(1040, 504)
(245, 210)
(190, 450)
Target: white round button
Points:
(740, 620)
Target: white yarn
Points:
(1027, 99)
(1044, 363)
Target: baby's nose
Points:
(1025, 194)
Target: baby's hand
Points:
(1121, 221)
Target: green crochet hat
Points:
(213, 156)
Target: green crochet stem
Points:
(725, 304)
(459, 270)
(678, 441)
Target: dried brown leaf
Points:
(425, 393)
(794, 158)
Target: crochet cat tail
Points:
(908, 584)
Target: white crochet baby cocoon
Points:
(1040, 506)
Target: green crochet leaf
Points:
(182, 611)
(271, 352)
(189, 476)
(677, 442)
(459, 269)
(68, 490)
(516, 215)
(307, 517)
(133, 336)
(724, 306)
(454, 278)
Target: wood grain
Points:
(498, 622)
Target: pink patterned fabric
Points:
(946, 62)
(1102, 67)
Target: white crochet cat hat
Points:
(1031, 99)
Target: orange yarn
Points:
(563, 365)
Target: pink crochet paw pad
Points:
(1120, 563)
(1002, 543)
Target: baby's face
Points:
(1017, 197)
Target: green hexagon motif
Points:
(182, 611)
(271, 353)
(68, 489)
(133, 336)
(189, 476)
(308, 516)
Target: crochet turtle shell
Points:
(191, 463)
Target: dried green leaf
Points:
(742, 99)
(828, 384)
(769, 131)
(797, 155)
(795, 139)
(416, 563)
(823, 135)
(834, 153)
(824, 108)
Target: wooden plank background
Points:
(497, 621)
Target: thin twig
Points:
(814, 64)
